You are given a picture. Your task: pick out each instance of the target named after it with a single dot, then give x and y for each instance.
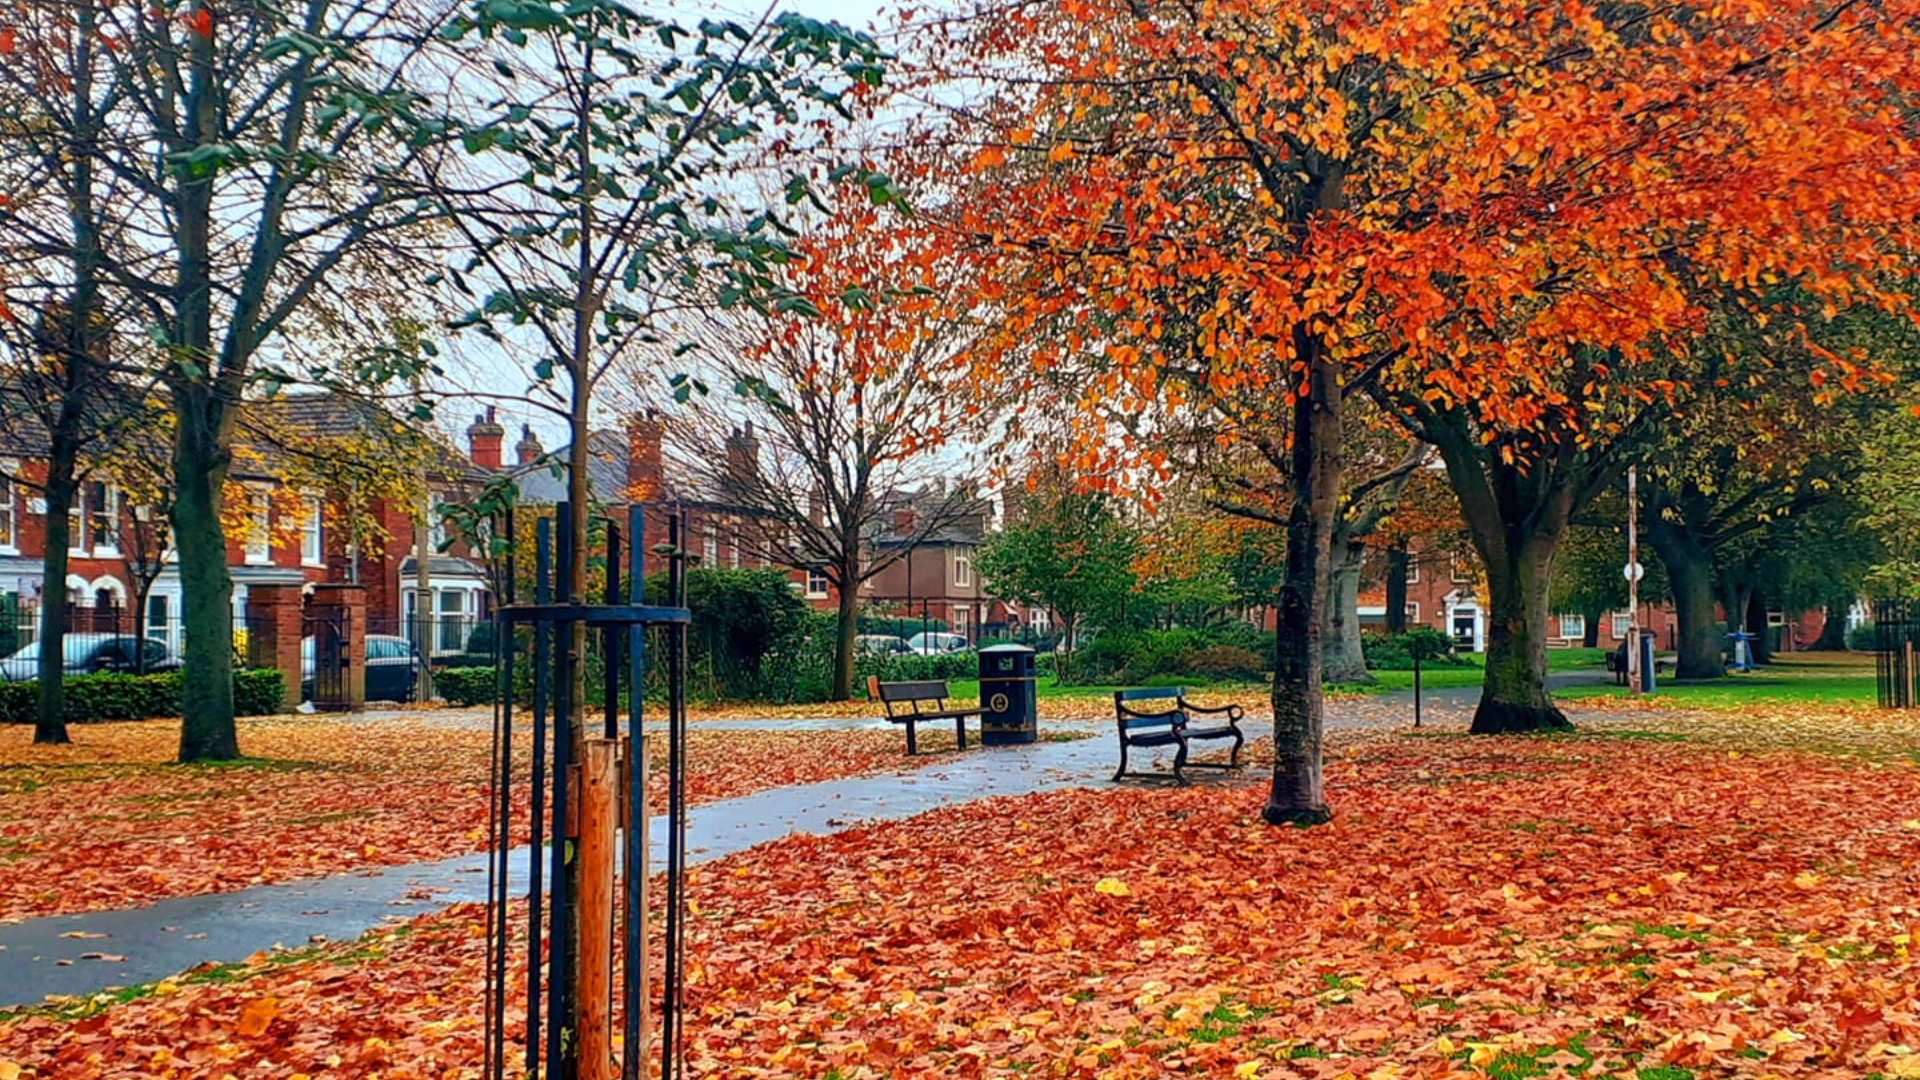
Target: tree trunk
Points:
(1063, 668)
(1833, 633)
(1590, 618)
(50, 722)
(1690, 574)
(1343, 658)
(1397, 566)
(207, 731)
(845, 637)
(1756, 619)
(1514, 694)
(1298, 796)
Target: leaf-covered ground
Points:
(109, 823)
(1699, 898)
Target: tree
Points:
(1501, 216)
(840, 428)
(1063, 549)
(59, 316)
(258, 156)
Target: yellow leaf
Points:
(1905, 1068)
(1112, 886)
(1246, 1070)
(256, 1015)
(1806, 879)
(9, 1071)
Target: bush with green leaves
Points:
(93, 699)
(1396, 652)
(900, 626)
(467, 685)
(1862, 638)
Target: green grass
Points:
(1805, 679)
(969, 689)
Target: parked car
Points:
(89, 654)
(393, 667)
(880, 645)
(937, 643)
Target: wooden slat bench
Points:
(910, 695)
(1173, 727)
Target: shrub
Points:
(1862, 638)
(946, 667)
(93, 699)
(1227, 662)
(480, 640)
(1396, 652)
(467, 685)
(900, 626)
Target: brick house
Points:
(291, 538)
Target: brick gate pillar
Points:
(274, 613)
(348, 603)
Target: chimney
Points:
(646, 470)
(743, 456)
(903, 521)
(529, 449)
(484, 440)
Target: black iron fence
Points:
(1896, 640)
(101, 639)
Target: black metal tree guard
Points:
(621, 623)
(1896, 638)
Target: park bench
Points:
(1174, 727)
(909, 696)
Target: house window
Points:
(1413, 613)
(453, 620)
(1573, 626)
(962, 572)
(103, 518)
(259, 528)
(1413, 572)
(1622, 622)
(9, 541)
(733, 556)
(310, 547)
(816, 583)
(710, 549)
(437, 528)
(1459, 570)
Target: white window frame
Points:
(313, 546)
(1458, 571)
(962, 572)
(710, 549)
(77, 522)
(1413, 613)
(1620, 623)
(107, 546)
(1413, 572)
(9, 509)
(259, 545)
(817, 591)
(733, 555)
(1573, 626)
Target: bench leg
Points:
(1233, 759)
(960, 731)
(1179, 762)
(912, 746)
(1122, 770)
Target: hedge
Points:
(467, 685)
(93, 699)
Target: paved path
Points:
(150, 943)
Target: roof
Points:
(606, 472)
(442, 566)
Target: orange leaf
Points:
(256, 1015)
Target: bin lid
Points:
(1006, 648)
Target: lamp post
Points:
(1635, 685)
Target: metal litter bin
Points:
(1009, 708)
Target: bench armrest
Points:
(1234, 712)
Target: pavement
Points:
(49, 956)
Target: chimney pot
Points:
(484, 440)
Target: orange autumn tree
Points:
(833, 437)
(1254, 208)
